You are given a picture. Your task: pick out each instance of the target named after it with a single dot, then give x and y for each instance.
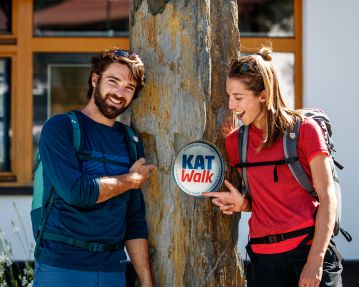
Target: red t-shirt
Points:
(282, 206)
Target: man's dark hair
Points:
(115, 55)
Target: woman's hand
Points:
(229, 202)
(312, 273)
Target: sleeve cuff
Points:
(324, 152)
(143, 235)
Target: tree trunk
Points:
(187, 47)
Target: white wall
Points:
(8, 214)
(330, 53)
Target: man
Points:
(98, 205)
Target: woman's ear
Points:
(94, 79)
(263, 96)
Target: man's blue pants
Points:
(51, 276)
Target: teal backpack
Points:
(41, 206)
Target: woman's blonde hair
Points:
(258, 74)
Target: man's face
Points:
(114, 91)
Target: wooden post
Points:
(187, 47)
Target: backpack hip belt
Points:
(274, 238)
(90, 246)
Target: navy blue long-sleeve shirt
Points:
(75, 212)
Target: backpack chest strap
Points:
(86, 156)
(289, 161)
(265, 163)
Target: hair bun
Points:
(266, 53)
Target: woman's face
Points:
(248, 107)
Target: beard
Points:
(107, 110)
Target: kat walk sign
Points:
(198, 168)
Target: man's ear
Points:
(263, 96)
(94, 79)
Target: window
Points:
(42, 48)
(284, 64)
(59, 85)
(71, 18)
(278, 23)
(5, 17)
(5, 98)
(264, 18)
(38, 73)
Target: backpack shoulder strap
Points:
(290, 145)
(77, 128)
(134, 143)
(242, 156)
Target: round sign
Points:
(198, 168)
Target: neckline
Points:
(115, 125)
(256, 129)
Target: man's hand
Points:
(111, 186)
(229, 202)
(139, 173)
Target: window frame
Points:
(20, 46)
(284, 44)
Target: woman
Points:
(279, 205)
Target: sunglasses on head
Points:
(121, 53)
(244, 68)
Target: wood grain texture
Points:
(187, 47)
